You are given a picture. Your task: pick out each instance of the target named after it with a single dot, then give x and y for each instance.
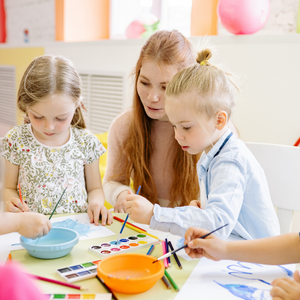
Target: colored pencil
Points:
(184, 246)
(121, 220)
(164, 253)
(57, 203)
(70, 285)
(114, 297)
(172, 281)
(164, 279)
(175, 255)
(20, 194)
(141, 231)
(125, 221)
(150, 250)
(167, 250)
(166, 282)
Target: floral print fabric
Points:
(44, 171)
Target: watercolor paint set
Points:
(79, 296)
(79, 272)
(127, 244)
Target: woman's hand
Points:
(196, 203)
(120, 203)
(14, 204)
(286, 288)
(97, 211)
(139, 208)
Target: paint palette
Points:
(79, 272)
(131, 243)
(79, 296)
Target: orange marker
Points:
(20, 194)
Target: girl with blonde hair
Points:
(234, 190)
(53, 152)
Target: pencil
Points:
(164, 279)
(121, 220)
(20, 194)
(164, 252)
(172, 281)
(114, 297)
(175, 255)
(167, 250)
(70, 285)
(150, 250)
(57, 203)
(140, 231)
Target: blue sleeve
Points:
(225, 199)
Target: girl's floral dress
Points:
(44, 171)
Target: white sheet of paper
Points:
(231, 280)
(79, 223)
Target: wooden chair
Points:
(281, 165)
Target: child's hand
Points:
(14, 204)
(139, 208)
(120, 203)
(196, 203)
(33, 225)
(211, 247)
(286, 288)
(95, 210)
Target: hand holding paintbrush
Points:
(185, 246)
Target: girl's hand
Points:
(196, 203)
(14, 204)
(120, 203)
(211, 247)
(286, 288)
(96, 211)
(139, 208)
(33, 225)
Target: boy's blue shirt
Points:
(237, 194)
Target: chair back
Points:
(281, 165)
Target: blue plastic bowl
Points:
(57, 243)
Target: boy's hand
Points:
(120, 203)
(97, 210)
(286, 288)
(14, 204)
(139, 208)
(211, 247)
(33, 225)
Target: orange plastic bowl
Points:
(130, 273)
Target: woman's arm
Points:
(10, 194)
(115, 191)
(95, 195)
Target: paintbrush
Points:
(137, 192)
(185, 246)
(57, 203)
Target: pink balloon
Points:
(243, 16)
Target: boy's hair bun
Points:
(204, 56)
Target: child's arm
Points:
(95, 195)
(30, 225)
(10, 194)
(281, 249)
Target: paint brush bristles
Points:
(184, 246)
(57, 203)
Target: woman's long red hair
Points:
(165, 48)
